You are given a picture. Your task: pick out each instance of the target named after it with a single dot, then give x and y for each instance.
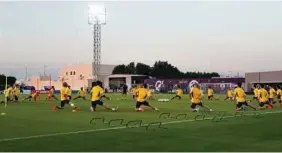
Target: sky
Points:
(226, 37)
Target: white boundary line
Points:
(115, 128)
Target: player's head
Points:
(99, 83)
(69, 87)
(53, 87)
(239, 84)
(65, 84)
(145, 85)
(209, 87)
(196, 85)
(81, 88)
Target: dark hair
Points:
(239, 84)
(145, 85)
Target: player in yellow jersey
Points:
(178, 93)
(211, 94)
(65, 98)
(8, 93)
(196, 96)
(256, 92)
(229, 94)
(96, 94)
(150, 93)
(69, 92)
(272, 93)
(240, 96)
(279, 93)
(142, 99)
(264, 99)
(51, 94)
(81, 94)
(16, 93)
(133, 92)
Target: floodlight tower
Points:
(96, 18)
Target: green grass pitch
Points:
(30, 127)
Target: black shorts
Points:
(209, 97)
(279, 97)
(97, 102)
(8, 99)
(133, 96)
(177, 96)
(64, 102)
(124, 92)
(261, 104)
(271, 100)
(16, 98)
(193, 105)
(69, 97)
(145, 103)
(240, 104)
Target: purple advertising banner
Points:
(168, 83)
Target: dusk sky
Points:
(194, 36)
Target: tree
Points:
(120, 69)
(160, 69)
(143, 69)
(10, 81)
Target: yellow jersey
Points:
(63, 92)
(149, 93)
(17, 92)
(96, 93)
(240, 95)
(81, 93)
(133, 91)
(8, 92)
(263, 95)
(179, 92)
(256, 92)
(210, 92)
(279, 92)
(141, 94)
(271, 93)
(69, 91)
(196, 95)
(229, 93)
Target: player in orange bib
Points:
(51, 94)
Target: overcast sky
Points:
(194, 36)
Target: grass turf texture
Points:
(37, 128)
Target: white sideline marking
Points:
(113, 128)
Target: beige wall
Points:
(262, 77)
(76, 76)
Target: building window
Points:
(66, 73)
(71, 73)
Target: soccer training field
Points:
(35, 127)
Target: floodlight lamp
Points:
(96, 14)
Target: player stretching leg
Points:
(229, 94)
(264, 101)
(141, 99)
(240, 96)
(97, 93)
(279, 93)
(65, 99)
(51, 94)
(81, 94)
(271, 95)
(179, 93)
(196, 95)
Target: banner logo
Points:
(158, 85)
(191, 84)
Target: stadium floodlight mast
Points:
(96, 18)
